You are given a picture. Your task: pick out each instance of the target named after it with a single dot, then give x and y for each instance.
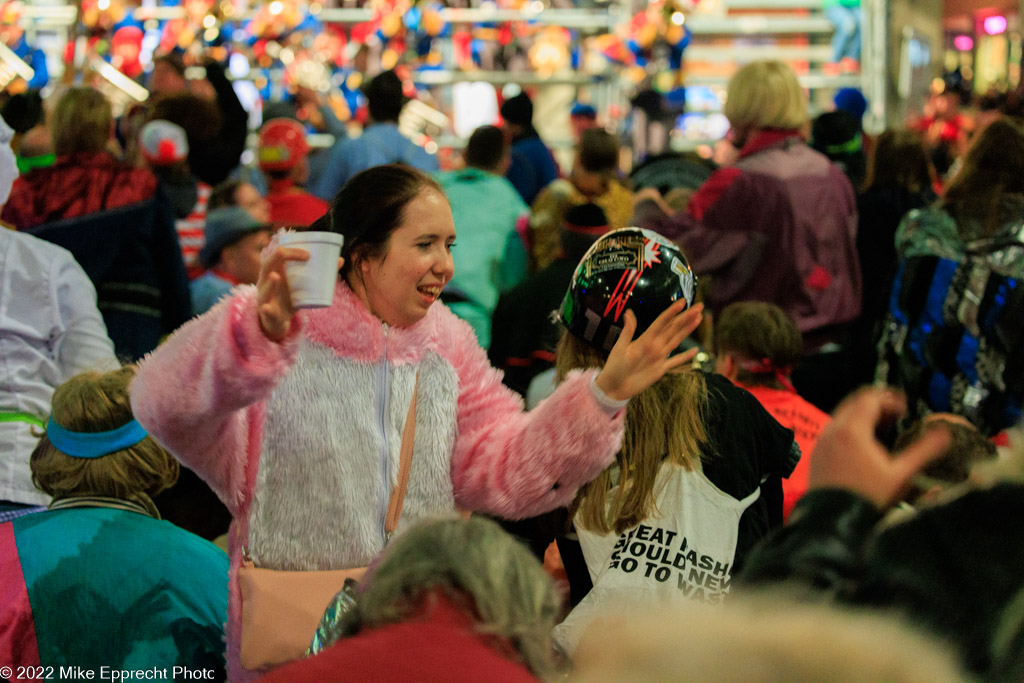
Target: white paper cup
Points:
(312, 282)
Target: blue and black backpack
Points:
(953, 337)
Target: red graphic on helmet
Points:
(624, 289)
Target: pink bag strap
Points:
(404, 462)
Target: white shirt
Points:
(50, 331)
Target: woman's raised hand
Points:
(274, 303)
(634, 365)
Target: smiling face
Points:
(400, 286)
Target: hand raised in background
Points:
(849, 456)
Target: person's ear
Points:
(725, 365)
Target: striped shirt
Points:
(192, 232)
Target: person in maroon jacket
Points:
(777, 225)
(453, 600)
(86, 178)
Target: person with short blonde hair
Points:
(765, 94)
(138, 588)
(98, 402)
(82, 121)
(778, 225)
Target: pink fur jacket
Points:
(301, 439)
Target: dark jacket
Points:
(131, 254)
(952, 338)
(77, 185)
(951, 569)
(777, 226)
(879, 211)
(524, 329)
(212, 161)
(533, 167)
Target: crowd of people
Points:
(579, 424)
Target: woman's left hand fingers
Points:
(673, 326)
(665, 318)
(626, 335)
(680, 360)
(683, 325)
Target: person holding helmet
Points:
(282, 156)
(697, 481)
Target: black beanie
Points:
(583, 224)
(518, 110)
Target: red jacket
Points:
(806, 421)
(77, 185)
(442, 645)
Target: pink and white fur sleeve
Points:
(200, 393)
(519, 464)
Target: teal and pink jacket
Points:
(301, 439)
(108, 586)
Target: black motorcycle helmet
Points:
(633, 269)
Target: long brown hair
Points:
(899, 159)
(993, 167)
(664, 423)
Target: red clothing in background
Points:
(442, 646)
(77, 185)
(806, 421)
(291, 206)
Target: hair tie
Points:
(765, 366)
(94, 444)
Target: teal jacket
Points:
(110, 587)
(489, 255)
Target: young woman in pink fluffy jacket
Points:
(295, 418)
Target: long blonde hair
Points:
(664, 424)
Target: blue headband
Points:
(94, 444)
